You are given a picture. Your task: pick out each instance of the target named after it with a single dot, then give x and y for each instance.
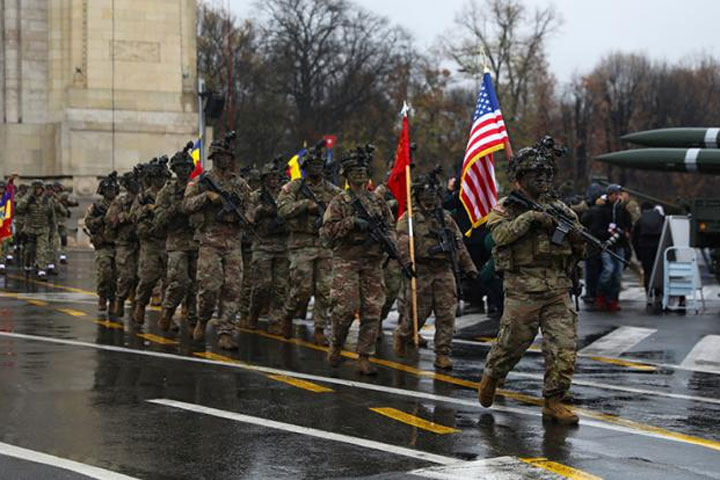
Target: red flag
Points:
(397, 182)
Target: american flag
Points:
(478, 189)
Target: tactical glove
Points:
(213, 197)
(361, 224)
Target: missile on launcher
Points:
(698, 160)
(676, 137)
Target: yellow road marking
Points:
(296, 382)
(559, 468)
(626, 363)
(39, 303)
(216, 357)
(703, 442)
(70, 311)
(51, 284)
(109, 324)
(157, 339)
(418, 422)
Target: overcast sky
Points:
(664, 29)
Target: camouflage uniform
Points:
(126, 248)
(537, 281)
(38, 225)
(63, 198)
(182, 249)
(153, 256)
(392, 273)
(270, 264)
(310, 260)
(61, 214)
(220, 261)
(252, 177)
(101, 236)
(358, 285)
(436, 283)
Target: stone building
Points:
(90, 86)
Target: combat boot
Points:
(422, 343)
(42, 276)
(486, 391)
(399, 345)
(320, 338)
(227, 342)
(139, 314)
(443, 362)
(364, 367)
(199, 331)
(554, 410)
(2, 268)
(166, 318)
(102, 304)
(252, 323)
(287, 328)
(51, 269)
(117, 309)
(63, 259)
(334, 356)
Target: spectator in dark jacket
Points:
(646, 237)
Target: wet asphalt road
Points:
(78, 387)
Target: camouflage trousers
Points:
(36, 250)
(311, 273)
(63, 234)
(126, 262)
(247, 283)
(152, 268)
(105, 272)
(182, 281)
(524, 313)
(54, 245)
(270, 271)
(393, 279)
(436, 292)
(357, 287)
(219, 276)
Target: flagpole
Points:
(411, 240)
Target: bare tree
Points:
(512, 41)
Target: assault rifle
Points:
(230, 203)
(447, 243)
(565, 224)
(377, 230)
(309, 194)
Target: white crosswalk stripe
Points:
(705, 355)
(618, 341)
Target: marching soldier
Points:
(301, 203)
(63, 198)
(153, 256)
(357, 283)
(219, 232)
(392, 275)
(102, 239)
(38, 225)
(434, 229)
(61, 214)
(126, 241)
(181, 246)
(252, 176)
(537, 280)
(270, 256)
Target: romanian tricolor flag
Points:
(293, 166)
(6, 211)
(195, 154)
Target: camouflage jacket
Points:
(271, 228)
(142, 213)
(38, 214)
(119, 220)
(62, 212)
(293, 207)
(100, 233)
(214, 228)
(426, 229)
(339, 226)
(524, 253)
(170, 217)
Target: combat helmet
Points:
(182, 158)
(109, 182)
(361, 156)
(539, 156)
(37, 184)
(224, 146)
